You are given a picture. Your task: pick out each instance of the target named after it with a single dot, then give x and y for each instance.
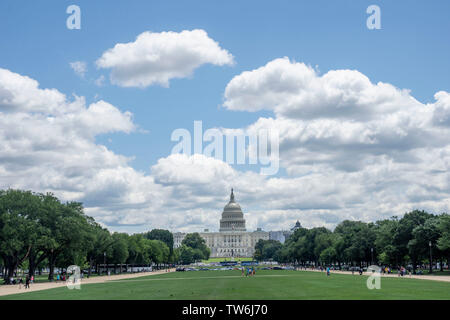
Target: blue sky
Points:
(411, 51)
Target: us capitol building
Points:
(233, 239)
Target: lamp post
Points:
(53, 268)
(104, 260)
(431, 259)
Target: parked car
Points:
(277, 268)
(289, 268)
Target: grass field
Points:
(270, 284)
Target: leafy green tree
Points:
(271, 250)
(443, 242)
(322, 242)
(267, 250)
(358, 239)
(158, 252)
(293, 249)
(311, 244)
(164, 235)
(175, 258)
(17, 230)
(258, 255)
(119, 248)
(422, 235)
(186, 254)
(39, 227)
(328, 255)
(198, 254)
(385, 231)
(195, 241)
(404, 234)
(70, 231)
(100, 242)
(339, 248)
(138, 248)
(284, 254)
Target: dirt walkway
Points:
(13, 289)
(392, 275)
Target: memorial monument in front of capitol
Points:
(233, 239)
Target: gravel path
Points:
(392, 275)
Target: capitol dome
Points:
(232, 216)
(232, 205)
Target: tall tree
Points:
(195, 241)
(186, 254)
(158, 252)
(18, 231)
(423, 235)
(444, 228)
(138, 249)
(119, 248)
(404, 234)
(70, 232)
(164, 235)
(385, 231)
(358, 239)
(267, 250)
(100, 242)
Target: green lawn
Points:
(269, 284)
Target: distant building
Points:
(297, 226)
(278, 235)
(178, 238)
(233, 239)
(283, 235)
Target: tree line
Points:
(38, 231)
(412, 240)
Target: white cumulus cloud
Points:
(386, 154)
(295, 90)
(156, 58)
(79, 67)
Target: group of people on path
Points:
(61, 277)
(248, 271)
(19, 281)
(403, 272)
